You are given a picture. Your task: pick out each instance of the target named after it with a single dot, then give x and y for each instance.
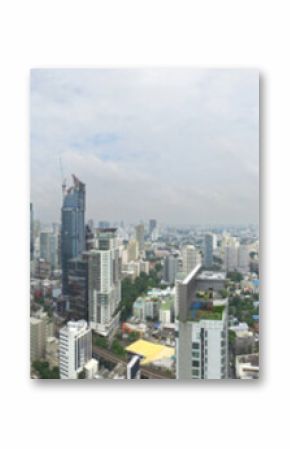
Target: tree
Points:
(235, 276)
(43, 370)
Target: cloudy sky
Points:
(178, 145)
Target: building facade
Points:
(190, 258)
(72, 227)
(139, 232)
(78, 287)
(201, 328)
(170, 269)
(208, 250)
(104, 282)
(75, 348)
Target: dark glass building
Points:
(78, 287)
(72, 227)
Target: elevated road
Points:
(109, 356)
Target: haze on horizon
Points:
(177, 144)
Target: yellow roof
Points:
(150, 351)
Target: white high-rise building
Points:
(209, 342)
(139, 232)
(201, 328)
(132, 251)
(170, 268)
(231, 256)
(104, 290)
(37, 338)
(190, 258)
(243, 258)
(75, 348)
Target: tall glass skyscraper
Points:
(72, 226)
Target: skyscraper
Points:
(152, 225)
(73, 226)
(170, 268)
(139, 231)
(37, 338)
(78, 287)
(190, 258)
(104, 283)
(75, 348)
(201, 338)
(208, 250)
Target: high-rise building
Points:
(152, 225)
(104, 224)
(72, 227)
(31, 233)
(190, 258)
(170, 268)
(44, 245)
(201, 339)
(139, 231)
(37, 338)
(75, 348)
(53, 250)
(104, 282)
(231, 256)
(132, 250)
(78, 287)
(243, 258)
(49, 247)
(209, 242)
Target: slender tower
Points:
(72, 226)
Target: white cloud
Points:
(178, 144)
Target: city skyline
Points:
(179, 145)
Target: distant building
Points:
(231, 256)
(51, 352)
(144, 266)
(247, 366)
(146, 308)
(190, 258)
(75, 348)
(37, 338)
(72, 226)
(170, 269)
(209, 242)
(77, 288)
(91, 369)
(152, 225)
(139, 232)
(104, 224)
(104, 282)
(243, 259)
(44, 245)
(132, 250)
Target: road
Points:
(149, 373)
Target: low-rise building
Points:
(247, 366)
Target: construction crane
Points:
(63, 180)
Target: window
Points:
(195, 372)
(195, 363)
(195, 345)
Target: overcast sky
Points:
(178, 145)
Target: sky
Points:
(177, 144)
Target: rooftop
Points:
(212, 275)
(200, 311)
(150, 352)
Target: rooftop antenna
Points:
(62, 177)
